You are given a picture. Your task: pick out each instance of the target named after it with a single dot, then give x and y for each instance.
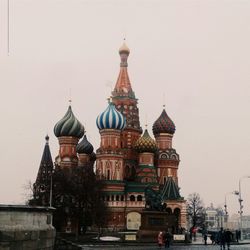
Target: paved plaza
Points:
(152, 247)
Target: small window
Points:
(139, 198)
(117, 198)
(108, 174)
(132, 198)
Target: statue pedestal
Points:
(152, 222)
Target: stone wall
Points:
(26, 228)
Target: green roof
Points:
(113, 192)
(146, 166)
(170, 190)
(135, 187)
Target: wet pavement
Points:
(155, 247)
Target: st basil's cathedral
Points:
(128, 159)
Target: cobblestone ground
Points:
(190, 247)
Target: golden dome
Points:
(145, 144)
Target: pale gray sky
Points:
(196, 52)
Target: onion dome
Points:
(111, 118)
(163, 124)
(145, 143)
(69, 126)
(84, 147)
(124, 49)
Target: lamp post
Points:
(225, 206)
(241, 206)
(51, 187)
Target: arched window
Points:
(117, 198)
(174, 156)
(108, 174)
(122, 198)
(133, 221)
(177, 211)
(112, 197)
(132, 198)
(107, 197)
(169, 210)
(139, 198)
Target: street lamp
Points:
(225, 206)
(241, 206)
(51, 187)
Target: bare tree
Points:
(77, 195)
(196, 210)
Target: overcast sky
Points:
(196, 52)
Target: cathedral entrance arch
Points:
(133, 221)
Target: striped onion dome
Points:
(145, 144)
(111, 118)
(69, 126)
(84, 147)
(163, 124)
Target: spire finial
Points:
(70, 99)
(164, 101)
(109, 99)
(47, 139)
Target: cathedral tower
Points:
(146, 171)
(109, 162)
(168, 159)
(85, 151)
(43, 180)
(125, 101)
(68, 131)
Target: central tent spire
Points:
(123, 85)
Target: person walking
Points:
(237, 235)
(167, 239)
(212, 238)
(205, 238)
(228, 238)
(160, 239)
(221, 238)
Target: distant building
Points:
(246, 222)
(234, 222)
(215, 217)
